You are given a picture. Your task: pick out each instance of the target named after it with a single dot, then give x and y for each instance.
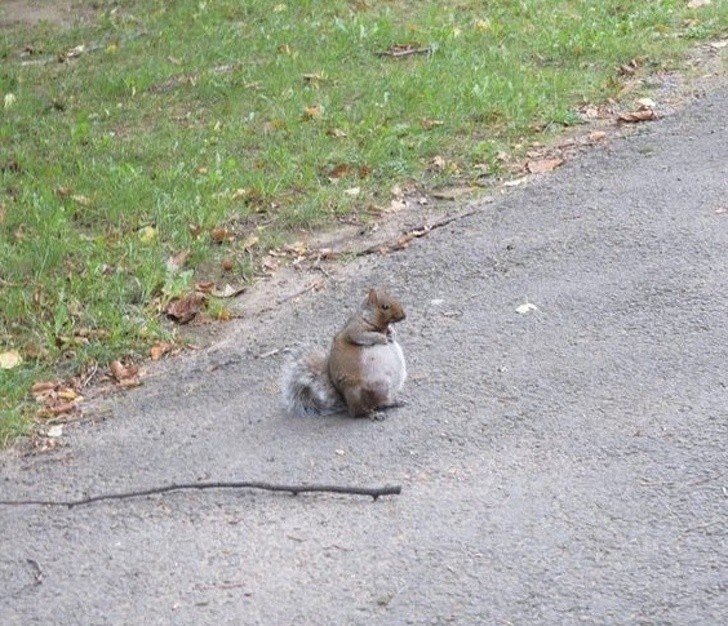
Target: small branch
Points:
(399, 52)
(414, 233)
(292, 489)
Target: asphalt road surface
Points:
(564, 465)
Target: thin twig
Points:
(292, 489)
(403, 52)
(313, 285)
(413, 233)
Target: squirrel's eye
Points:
(385, 306)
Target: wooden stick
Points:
(292, 489)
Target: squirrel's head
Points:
(386, 306)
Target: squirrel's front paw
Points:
(377, 416)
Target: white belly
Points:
(383, 369)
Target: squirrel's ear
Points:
(372, 296)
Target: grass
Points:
(180, 118)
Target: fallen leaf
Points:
(429, 124)
(147, 234)
(120, 371)
(719, 45)
(55, 431)
(221, 235)
(541, 166)
(9, 100)
(314, 78)
(204, 286)
(227, 264)
(438, 163)
(159, 349)
(177, 261)
(527, 307)
(183, 310)
(646, 103)
(339, 171)
(515, 182)
(397, 204)
(68, 394)
(352, 191)
(313, 112)
(250, 241)
(10, 359)
(697, 4)
(82, 200)
(643, 114)
(597, 135)
(223, 315)
(228, 291)
(42, 388)
(482, 25)
(238, 194)
(336, 132)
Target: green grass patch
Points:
(179, 118)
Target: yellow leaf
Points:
(147, 234)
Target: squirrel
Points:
(362, 372)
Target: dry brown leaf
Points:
(221, 235)
(643, 114)
(313, 112)
(315, 78)
(339, 171)
(541, 166)
(336, 132)
(183, 310)
(119, 371)
(57, 408)
(64, 192)
(177, 261)
(43, 388)
(159, 349)
(128, 383)
(68, 394)
(227, 264)
(597, 135)
(429, 124)
(205, 286)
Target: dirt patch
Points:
(29, 12)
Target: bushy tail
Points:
(306, 388)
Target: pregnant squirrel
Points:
(362, 372)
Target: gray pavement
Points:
(563, 466)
